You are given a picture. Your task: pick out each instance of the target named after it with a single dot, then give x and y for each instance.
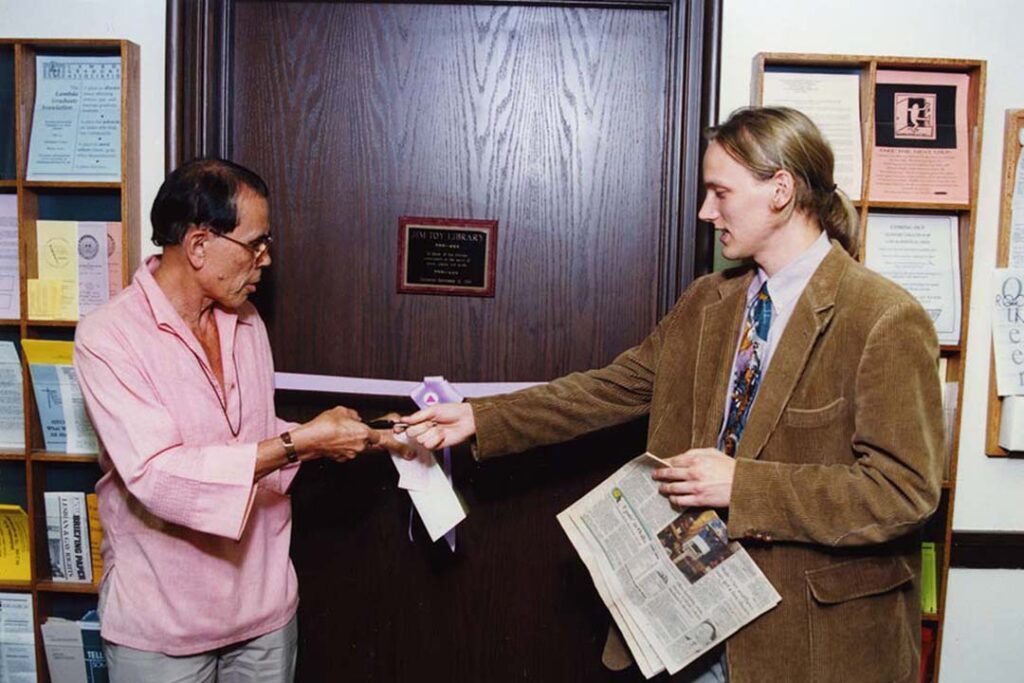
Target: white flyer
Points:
(921, 253)
(76, 121)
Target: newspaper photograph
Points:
(674, 583)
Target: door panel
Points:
(549, 119)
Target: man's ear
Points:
(783, 189)
(194, 245)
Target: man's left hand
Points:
(700, 477)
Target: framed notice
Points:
(831, 99)
(921, 253)
(449, 256)
(920, 152)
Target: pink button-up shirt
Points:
(195, 554)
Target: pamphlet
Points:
(76, 122)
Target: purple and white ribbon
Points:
(431, 391)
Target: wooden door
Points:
(575, 127)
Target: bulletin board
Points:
(1011, 154)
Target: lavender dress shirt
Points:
(784, 288)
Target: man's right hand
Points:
(442, 425)
(339, 434)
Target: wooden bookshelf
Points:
(1011, 153)
(940, 527)
(43, 470)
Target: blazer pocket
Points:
(857, 579)
(858, 618)
(814, 417)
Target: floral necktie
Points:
(749, 359)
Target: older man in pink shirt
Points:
(179, 381)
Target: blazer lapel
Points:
(810, 318)
(720, 328)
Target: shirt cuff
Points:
(228, 491)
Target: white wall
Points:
(140, 21)
(984, 627)
(984, 607)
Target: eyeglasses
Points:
(257, 247)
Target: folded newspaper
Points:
(673, 582)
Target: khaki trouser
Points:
(269, 658)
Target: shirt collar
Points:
(786, 285)
(164, 312)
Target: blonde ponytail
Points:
(771, 139)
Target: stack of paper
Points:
(67, 536)
(12, 407)
(79, 267)
(66, 427)
(17, 639)
(10, 293)
(14, 551)
(74, 652)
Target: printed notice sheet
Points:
(1008, 330)
(54, 295)
(79, 266)
(65, 657)
(12, 409)
(921, 140)
(674, 583)
(832, 100)
(1016, 258)
(113, 258)
(93, 273)
(76, 122)
(10, 294)
(921, 253)
(17, 639)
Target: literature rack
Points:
(26, 474)
(1011, 153)
(939, 528)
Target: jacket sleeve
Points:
(576, 404)
(894, 481)
(208, 489)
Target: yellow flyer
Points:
(14, 554)
(58, 262)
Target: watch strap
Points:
(289, 447)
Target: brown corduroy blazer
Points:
(839, 465)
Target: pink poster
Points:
(921, 143)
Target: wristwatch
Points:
(289, 447)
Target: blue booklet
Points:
(46, 386)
